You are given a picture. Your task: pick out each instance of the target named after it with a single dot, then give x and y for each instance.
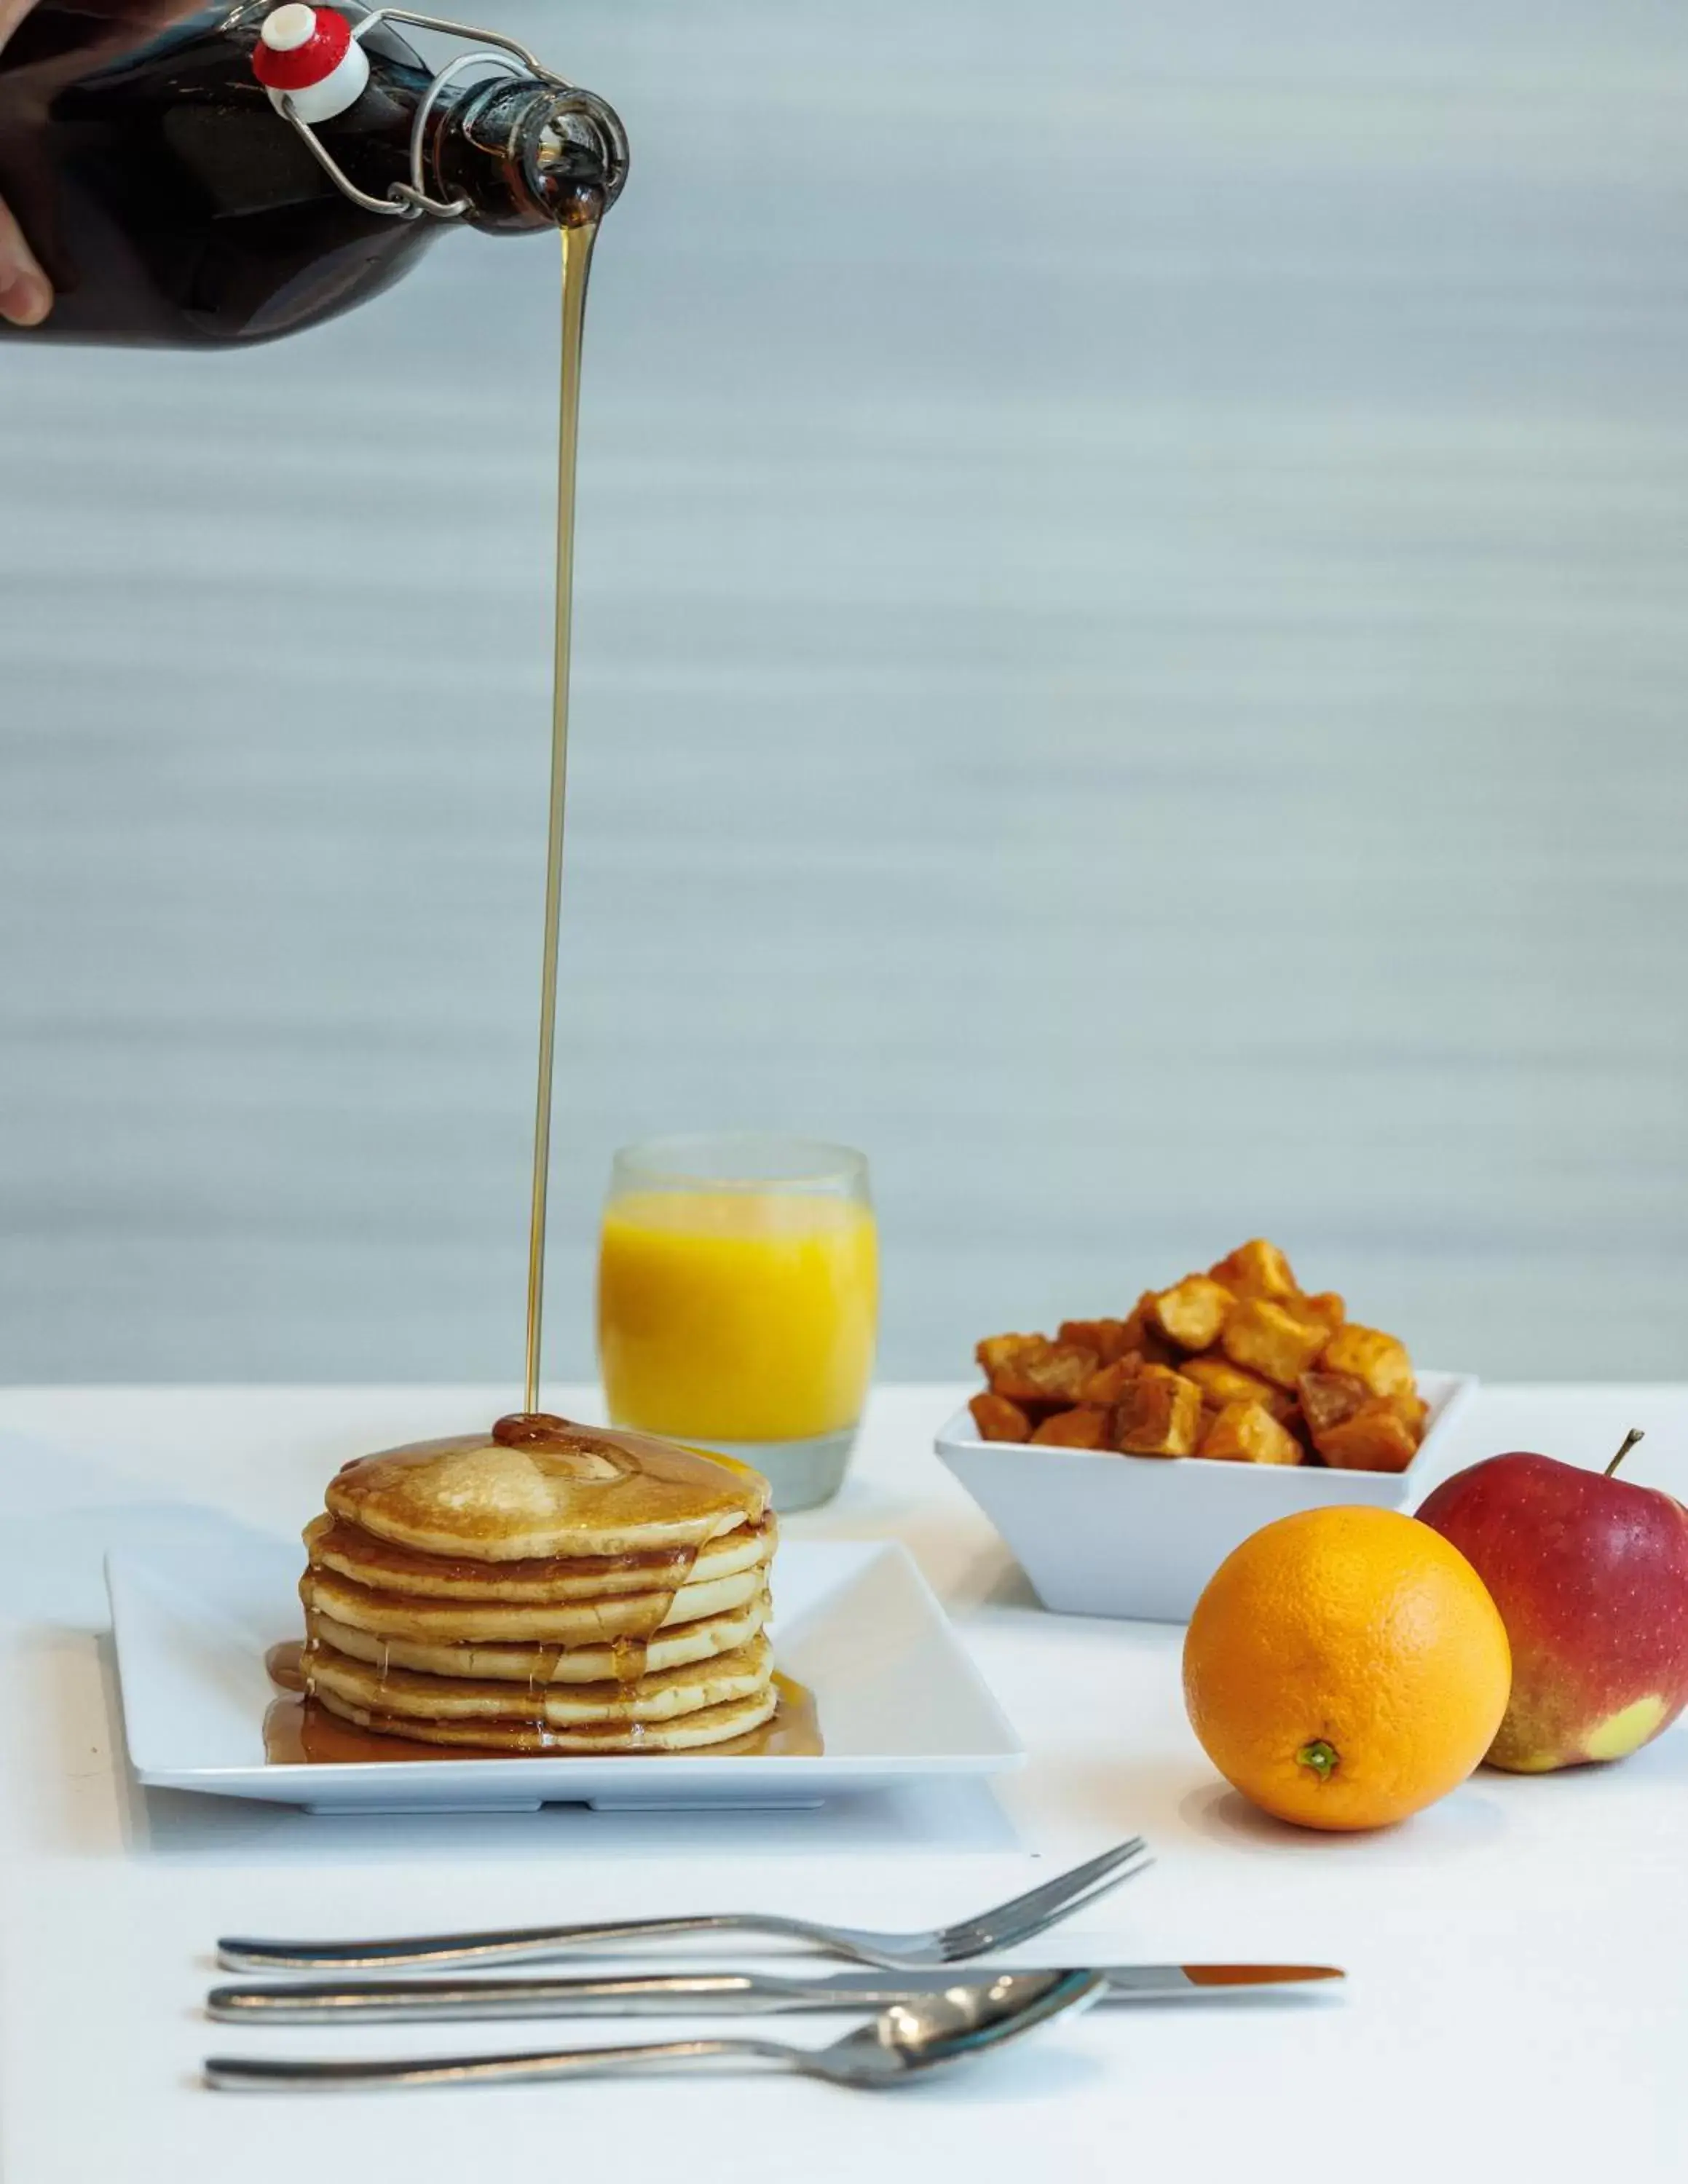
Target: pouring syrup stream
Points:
(577, 260)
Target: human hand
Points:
(24, 297)
(26, 290)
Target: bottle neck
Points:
(525, 155)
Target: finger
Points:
(26, 298)
(12, 12)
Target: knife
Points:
(692, 1993)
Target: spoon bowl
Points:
(910, 2038)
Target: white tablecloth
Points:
(1518, 2000)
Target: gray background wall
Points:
(1131, 636)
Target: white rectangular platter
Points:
(898, 1697)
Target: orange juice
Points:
(734, 1315)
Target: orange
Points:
(1345, 1668)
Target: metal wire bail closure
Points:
(411, 200)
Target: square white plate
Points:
(1140, 1536)
(898, 1697)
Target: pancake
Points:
(708, 1728)
(336, 1544)
(568, 1622)
(404, 1694)
(545, 1587)
(530, 1664)
(538, 1486)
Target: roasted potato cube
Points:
(1294, 1423)
(1057, 1373)
(1330, 1399)
(1143, 1336)
(1256, 1269)
(1084, 1428)
(1326, 1310)
(1191, 1311)
(1263, 1338)
(1377, 1359)
(1110, 1339)
(1109, 1384)
(997, 1352)
(1221, 1382)
(1248, 1433)
(1412, 1411)
(1042, 1372)
(1375, 1438)
(998, 1419)
(1160, 1415)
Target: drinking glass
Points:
(737, 1302)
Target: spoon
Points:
(902, 2043)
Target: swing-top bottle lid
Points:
(309, 56)
(541, 150)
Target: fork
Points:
(1003, 1927)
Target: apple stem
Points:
(1630, 1438)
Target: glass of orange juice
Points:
(737, 1294)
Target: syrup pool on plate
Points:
(298, 1732)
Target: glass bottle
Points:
(172, 201)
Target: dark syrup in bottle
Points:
(170, 204)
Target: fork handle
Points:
(506, 1947)
(262, 2073)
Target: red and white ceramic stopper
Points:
(309, 56)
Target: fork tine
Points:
(1050, 1895)
(1009, 1937)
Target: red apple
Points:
(1590, 1573)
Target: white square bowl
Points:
(1140, 1536)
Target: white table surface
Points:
(1519, 1954)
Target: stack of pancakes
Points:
(543, 1588)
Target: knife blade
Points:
(650, 1994)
